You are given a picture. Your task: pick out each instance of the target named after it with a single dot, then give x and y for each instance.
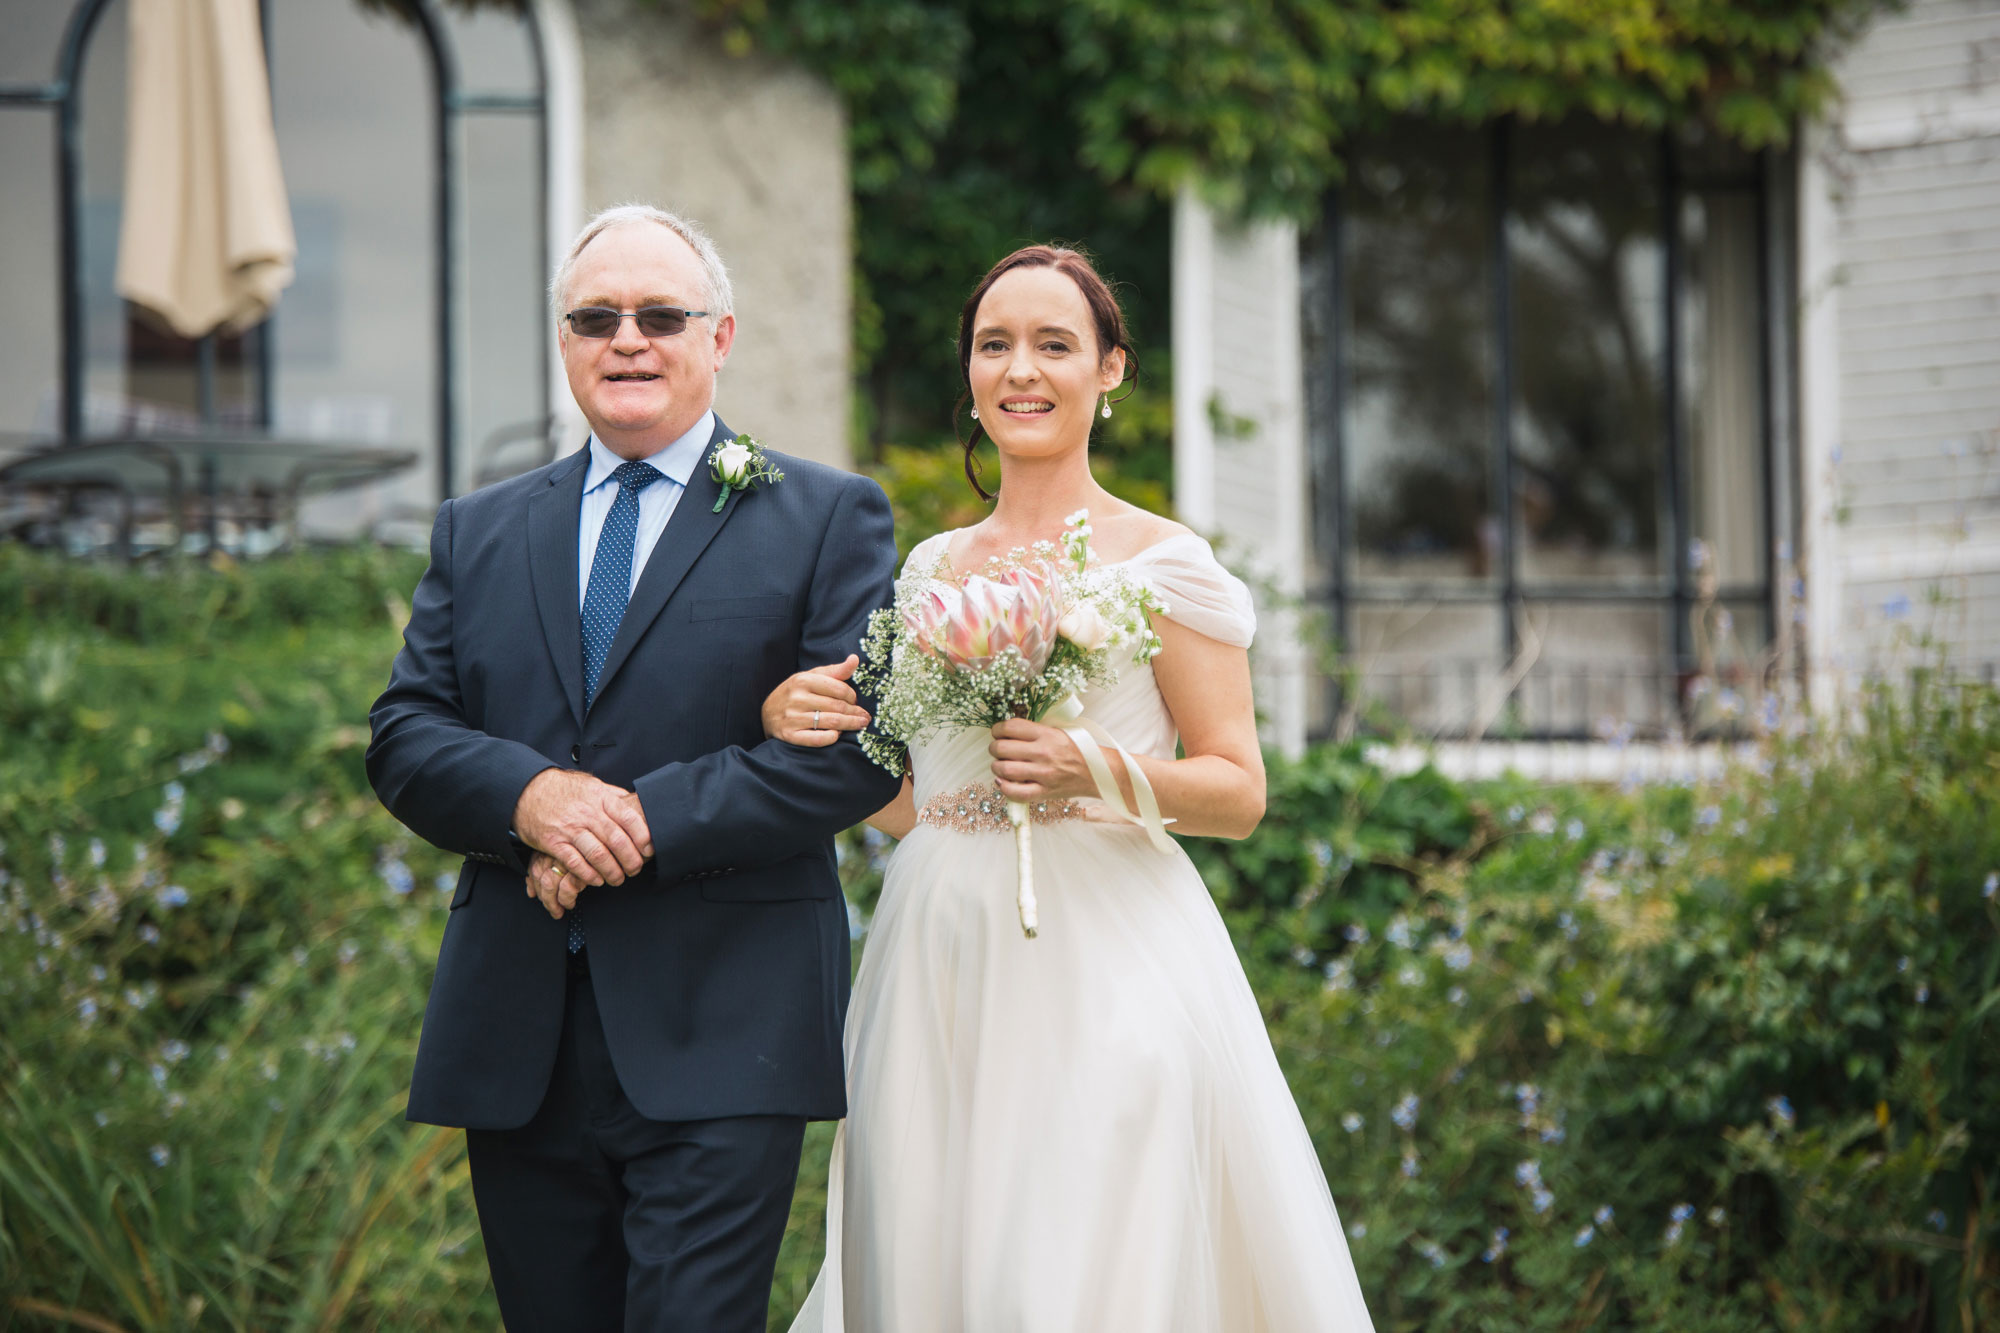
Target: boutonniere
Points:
(739, 464)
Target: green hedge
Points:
(1753, 1021)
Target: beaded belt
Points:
(980, 808)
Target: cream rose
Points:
(1085, 626)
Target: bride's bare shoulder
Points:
(1123, 533)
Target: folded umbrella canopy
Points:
(207, 234)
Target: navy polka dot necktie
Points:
(605, 598)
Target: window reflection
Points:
(1418, 428)
(1584, 239)
(30, 335)
(1613, 590)
(356, 335)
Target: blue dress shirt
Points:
(676, 463)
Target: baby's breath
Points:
(918, 694)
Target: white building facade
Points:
(1569, 432)
(438, 157)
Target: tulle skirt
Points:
(1082, 1132)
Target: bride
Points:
(1087, 1130)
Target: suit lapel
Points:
(554, 513)
(688, 533)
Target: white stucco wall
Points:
(755, 150)
(1900, 345)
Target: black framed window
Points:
(413, 136)
(1539, 405)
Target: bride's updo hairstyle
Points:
(1104, 311)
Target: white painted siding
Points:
(1239, 449)
(1903, 282)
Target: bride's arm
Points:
(1217, 790)
(812, 708)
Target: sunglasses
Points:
(655, 321)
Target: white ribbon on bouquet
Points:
(1090, 739)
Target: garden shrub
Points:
(1695, 1057)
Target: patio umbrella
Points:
(206, 240)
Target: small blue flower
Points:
(1992, 884)
(1404, 1112)
(1603, 1215)
(1498, 1247)
(1937, 1219)
(1682, 1212)
(1352, 1122)
(1574, 830)
(1410, 1167)
(173, 896)
(161, 1154)
(173, 1051)
(86, 1009)
(397, 876)
(1585, 1236)
(1896, 607)
(1780, 1108)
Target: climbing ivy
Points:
(975, 127)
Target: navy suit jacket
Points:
(721, 969)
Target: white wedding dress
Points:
(1086, 1131)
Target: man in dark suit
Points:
(581, 677)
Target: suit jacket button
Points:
(576, 754)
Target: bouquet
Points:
(1022, 641)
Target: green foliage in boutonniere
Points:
(739, 464)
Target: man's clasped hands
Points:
(585, 833)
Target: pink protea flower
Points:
(933, 606)
(972, 625)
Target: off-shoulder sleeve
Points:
(1198, 591)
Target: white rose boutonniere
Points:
(738, 465)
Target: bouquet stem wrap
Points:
(1024, 857)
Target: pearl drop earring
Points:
(975, 414)
(1107, 407)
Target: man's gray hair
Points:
(719, 298)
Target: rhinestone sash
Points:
(980, 808)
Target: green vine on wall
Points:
(975, 127)
(1253, 97)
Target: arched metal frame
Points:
(63, 95)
